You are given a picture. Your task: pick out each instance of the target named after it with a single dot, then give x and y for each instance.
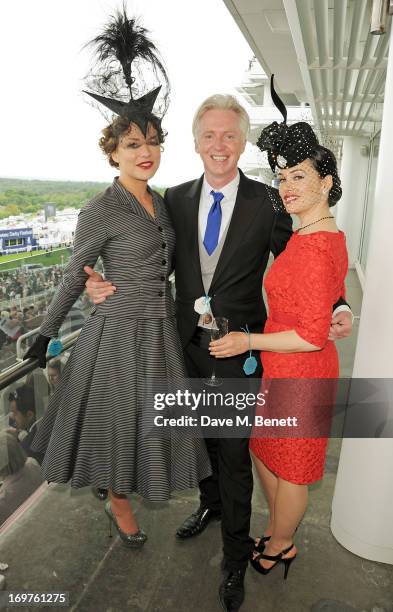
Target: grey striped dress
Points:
(92, 431)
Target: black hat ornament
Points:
(127, 60)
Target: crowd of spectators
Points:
(23, 407)
(16, 319)
(19, 463)
(20, 475)
(24, 283)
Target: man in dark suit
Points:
(226, 227)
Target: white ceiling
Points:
(321, 51)
(272, 47)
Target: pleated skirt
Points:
(93, 432)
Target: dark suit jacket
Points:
(255, 230)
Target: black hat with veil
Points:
(128, 77)
(289, 145)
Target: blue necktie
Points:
(213, 225)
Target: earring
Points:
(162, 148)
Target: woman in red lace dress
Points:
(302, 285)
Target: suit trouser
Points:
(229, 489)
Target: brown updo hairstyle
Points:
(325, 163)
(111, 135)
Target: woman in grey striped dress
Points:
(92, 431)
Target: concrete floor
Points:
(62, 544)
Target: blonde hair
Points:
(222, 102)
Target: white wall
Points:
(350, 208)
(363, 497)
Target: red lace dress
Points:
(302, 285)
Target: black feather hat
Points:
(127, 65)
(289, 145)
(286, 145)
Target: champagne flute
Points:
(218, 330)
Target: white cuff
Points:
(343, 308)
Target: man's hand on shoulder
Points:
(341, 325)
(96, 288)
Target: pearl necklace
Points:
(314, 222)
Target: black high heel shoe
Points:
(132, 540)
(260, 547)
(278, 558)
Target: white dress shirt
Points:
(227, 204)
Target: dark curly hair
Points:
(324, 162)
(112, 134)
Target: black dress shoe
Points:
(100, 494)
(197, 522)
(232, 590)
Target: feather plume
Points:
(128, 65)
(277, 100)
(125, 41)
